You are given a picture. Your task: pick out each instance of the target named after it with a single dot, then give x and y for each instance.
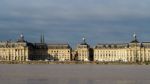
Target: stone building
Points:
(134, 51)
(38, 51)
(83, 51)
(110, 52)
(14, 51)
(22, 50)
(59, 52)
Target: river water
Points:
(74, 74)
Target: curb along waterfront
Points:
(74, 62)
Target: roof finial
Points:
(134, 36)
(135, 40)
(21, 36)
(84, 39)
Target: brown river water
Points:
(74, 74)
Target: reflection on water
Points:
(74, 74)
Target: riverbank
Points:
(72, 62)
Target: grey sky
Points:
(99, 21)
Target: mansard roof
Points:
(58, 46)
(120, 45)
(146, 44)
(12, 44)
(40, 45)
(134, 41)
(83, 43)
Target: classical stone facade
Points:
(22, 50)
(59, 52)
(11, 51)
(110, 52)
(83, 51)
(134, 51)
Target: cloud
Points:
(70, 20)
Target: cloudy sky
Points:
(67, 21)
